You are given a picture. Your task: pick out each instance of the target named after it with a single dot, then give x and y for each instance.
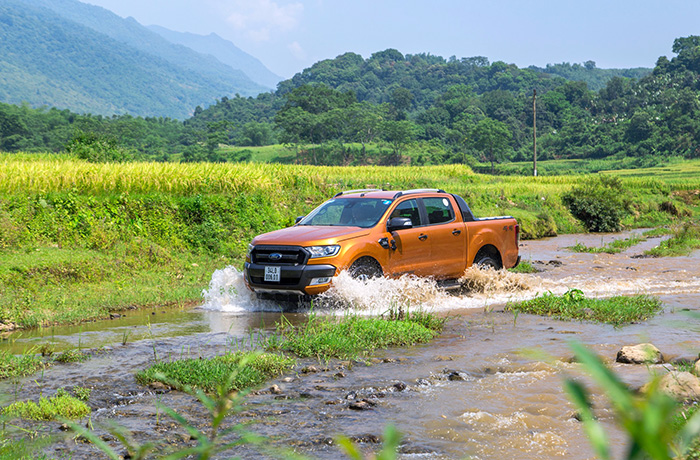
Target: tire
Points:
(487, 261)
(365, 268)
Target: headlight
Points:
(250, 249)
(323, 251)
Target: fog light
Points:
(317, 281)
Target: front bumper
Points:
(294, 279)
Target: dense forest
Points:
(453, 110)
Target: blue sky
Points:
(290, 35)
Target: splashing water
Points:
(227, 292)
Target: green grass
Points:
(71, 356)
(685, 240)
(250, 369)
(614, 247)
(524, 267)
(573, 305)
(352, 336)
(61, 405)
(19, 365)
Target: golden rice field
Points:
(33, 173)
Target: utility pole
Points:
(534, 132)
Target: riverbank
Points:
(79, 241)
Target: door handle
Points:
(456, 232)
(423, 237)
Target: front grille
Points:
(279, 255)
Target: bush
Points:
(599, 203)
(97, 148)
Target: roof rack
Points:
(419, 190)
(361, 190)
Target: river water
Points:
(481, 390)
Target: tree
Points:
(492, 138)
(398, 134)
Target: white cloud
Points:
(259, 19)
(297, 51)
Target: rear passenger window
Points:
(408, 208)
(439, 210)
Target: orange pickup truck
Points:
(376, 232)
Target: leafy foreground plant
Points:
(61, 405)
(352, 336)
(248, 370)
(573, 304)
(650, 420)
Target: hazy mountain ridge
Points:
(49, 59)
(224, 51)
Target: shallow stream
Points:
(475, 392)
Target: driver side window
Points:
(408, 208)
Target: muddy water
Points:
(475, 392)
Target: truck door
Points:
(412, 254)
(447, 236)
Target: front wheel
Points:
(487, 261)
(365, 268)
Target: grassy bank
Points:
(78, 240)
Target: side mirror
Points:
(399, 223)
(298, 219)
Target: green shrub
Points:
(97, 148)
(600, 203)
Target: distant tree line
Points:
(456, 110)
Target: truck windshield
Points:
(348, 212)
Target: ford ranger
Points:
(376, 232)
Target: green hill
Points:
(47, 59)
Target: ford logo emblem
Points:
(275, 256)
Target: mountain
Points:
(66, 54)
(224, 51)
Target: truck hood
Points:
(310, 235)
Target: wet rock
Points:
(362, 404)
(288, 379)
(399, 386)
(339, 375)
(555, 263)
(275, 390)
(456, 376)
(375, 361)
(644, 353)
(412, 449)
(389, 360)
(423, 382)
(631, 268)
(366, 438)
(696, 368)
(309, 370)
(351, 395)
(159, 387)
(444, 358)
(114, 315)
(682, 386)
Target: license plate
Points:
(272, 274)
